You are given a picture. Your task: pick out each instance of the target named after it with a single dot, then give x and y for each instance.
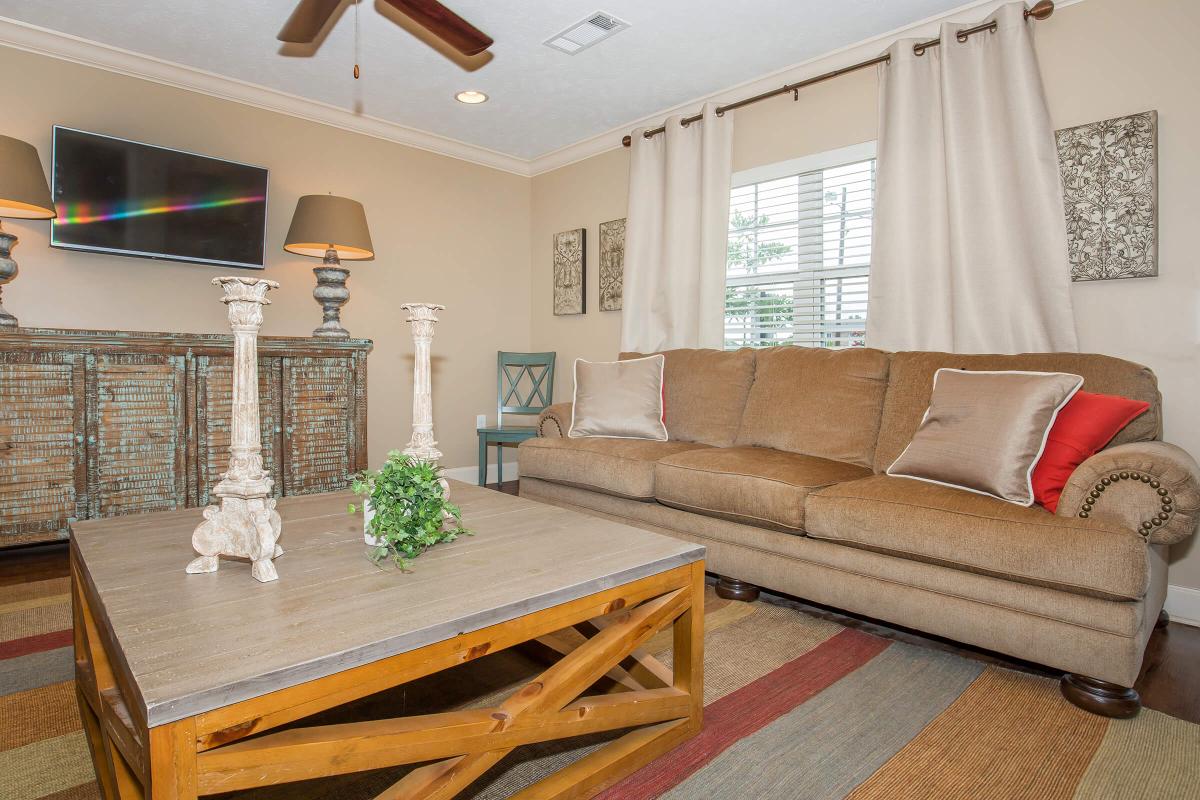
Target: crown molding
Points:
(35, 39)
(836, 59)
(43, 41)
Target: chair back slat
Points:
(524, 383)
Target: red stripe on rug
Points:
(35, 644)
(751, 708)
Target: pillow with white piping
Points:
(619, 399)
(985, 431)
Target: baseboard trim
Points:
(1183, 604)
(512, 471)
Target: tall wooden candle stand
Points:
(245, 524)
(422, 318)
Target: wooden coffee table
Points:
(175, 671)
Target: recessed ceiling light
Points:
(471, 97)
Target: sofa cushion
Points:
(985, 431)
(619, 399)
(910, 384)
(968, 531)
(753, 485)
(621, 467)
(817, 402)
(705, 392)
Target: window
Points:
(800, 252)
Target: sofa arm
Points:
(555, 421)
(1150, 487)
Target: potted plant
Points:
(405, 510)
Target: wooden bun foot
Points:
(1164, 619)
(733, 589)
(1100, 697)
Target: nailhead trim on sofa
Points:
(1147, 526)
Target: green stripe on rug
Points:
(36, 669)
(1150, 757)
(45, 767)
(826, 747)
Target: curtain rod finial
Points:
(627, 141)
(1040, 10)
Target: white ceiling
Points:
(541, 100)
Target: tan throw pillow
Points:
(985, 431)
(619, 399)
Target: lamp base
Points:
(332, 294)
(8, 271)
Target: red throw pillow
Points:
(1085, 424)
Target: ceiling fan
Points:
(311, 16)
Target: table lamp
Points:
(333, 228)
(23, 195)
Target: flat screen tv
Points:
(117, 196)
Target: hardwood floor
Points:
(35, 562)
(1170, 680)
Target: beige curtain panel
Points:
(970, 252)
(676, 235)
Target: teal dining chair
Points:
(525, 386)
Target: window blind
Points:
(799, 259)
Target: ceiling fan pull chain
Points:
(356, 46)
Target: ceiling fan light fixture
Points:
(471, 97)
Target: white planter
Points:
(368, 514)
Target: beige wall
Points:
(1099, 60)
(444, 230)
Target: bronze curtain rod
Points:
(1040, 10)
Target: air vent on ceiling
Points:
(586, 32)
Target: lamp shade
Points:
(23, 190)
(324, 221)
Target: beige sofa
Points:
(776, 463)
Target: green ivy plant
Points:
(411, 509)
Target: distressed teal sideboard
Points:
(103, 423)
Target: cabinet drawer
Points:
(319, 420)
(42, 471)
(214, 410)
(136, 434)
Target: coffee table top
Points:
(194, 643)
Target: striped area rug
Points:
(796, 707)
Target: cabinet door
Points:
(136, 433)
(318, 411)
(214, 409)
(43, 477)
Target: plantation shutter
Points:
(799, 258)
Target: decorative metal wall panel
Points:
(612, 264)
(570, 272)
(1110, 191)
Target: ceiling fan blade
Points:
(307, 21)
(445, 24)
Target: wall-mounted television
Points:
(128, 198)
